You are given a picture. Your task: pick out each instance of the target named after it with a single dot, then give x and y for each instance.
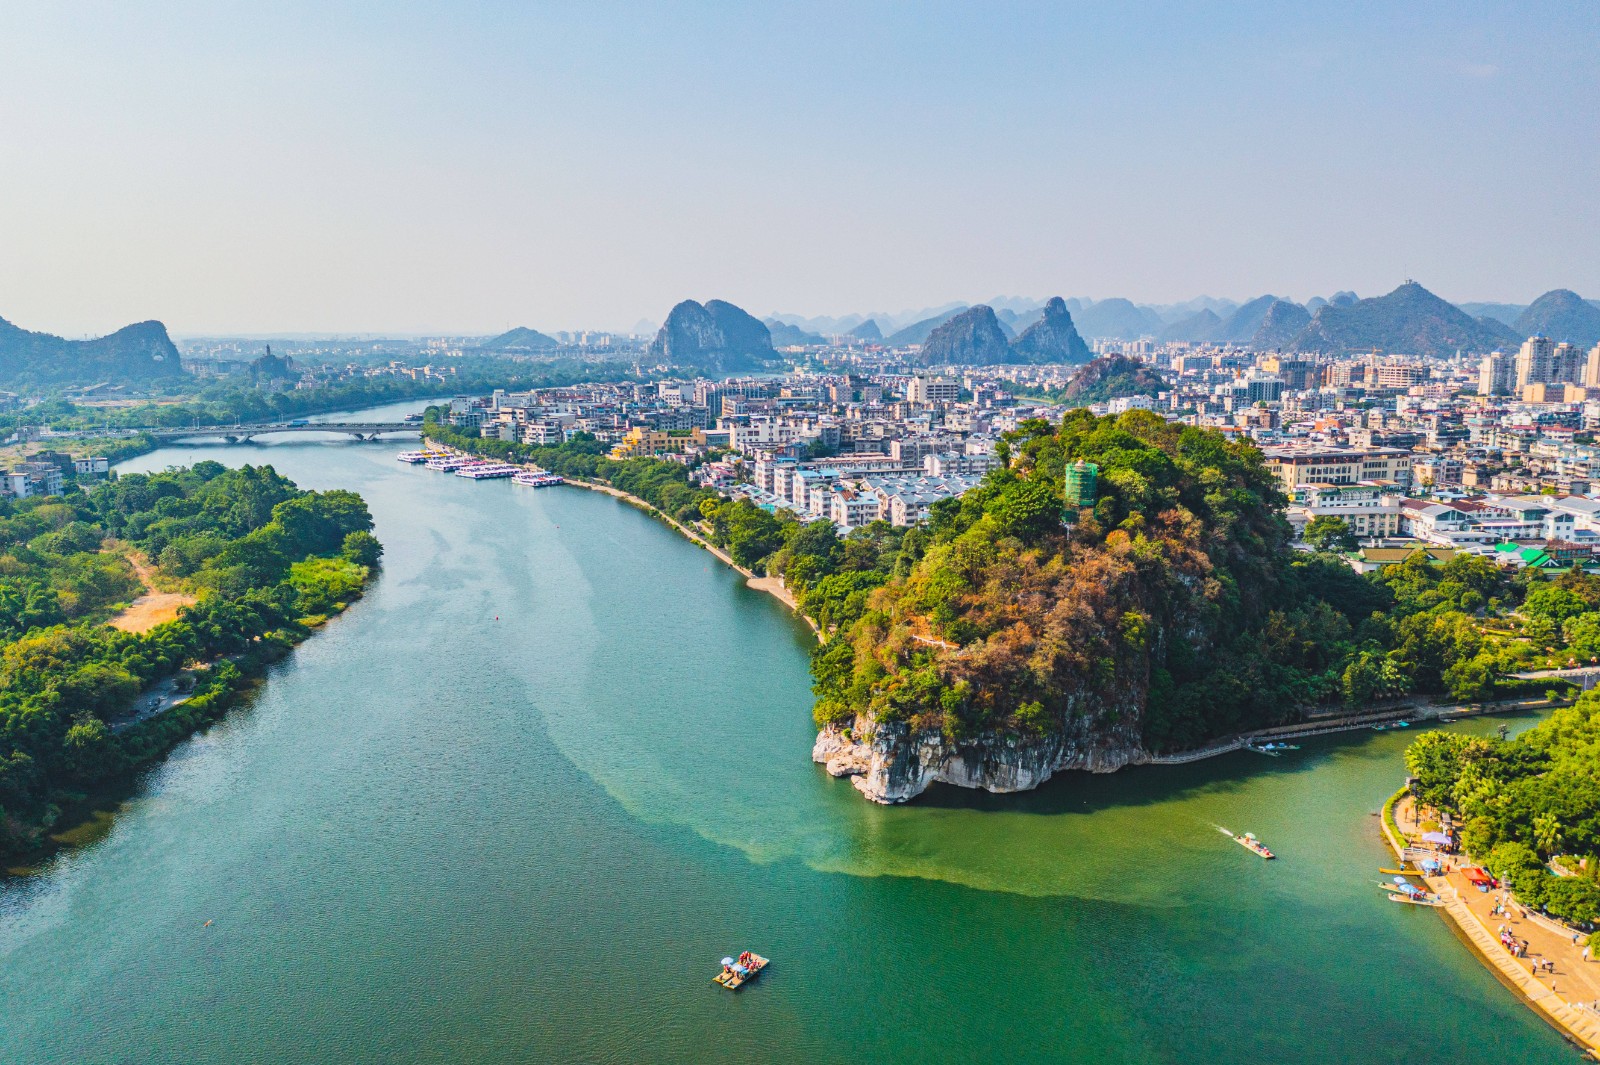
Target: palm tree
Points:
(1546, 833)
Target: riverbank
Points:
(773, 586)
(1567, 997)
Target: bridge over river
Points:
(243, 433)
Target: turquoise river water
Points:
(516, 803)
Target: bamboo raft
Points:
(731, 980)
(1428, 900)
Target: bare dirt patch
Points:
(153, 607)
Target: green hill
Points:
(1562, 314)
(1112, 377)
(521, 339)
(139, 354)
(1003, 646)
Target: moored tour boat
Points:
(479, 471)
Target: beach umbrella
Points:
(727, 961)
(1435, 837)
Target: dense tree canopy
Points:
(258, 553)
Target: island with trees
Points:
(86, 699)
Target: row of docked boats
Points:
(477, 469)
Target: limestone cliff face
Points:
(889, 763)
(718, 337)
(1052, 338)
(971, 338)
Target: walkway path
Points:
(1566, 996)
(1321, 726)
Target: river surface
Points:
(515, 804)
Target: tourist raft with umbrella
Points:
(1250, 843)
(736, 972)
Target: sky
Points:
(466, 168)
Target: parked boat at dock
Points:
(537, 479)
(482, 471)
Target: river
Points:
(515, 804)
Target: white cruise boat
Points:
(537, 479)
(483, 471)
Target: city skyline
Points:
(355, 170)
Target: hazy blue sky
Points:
(288, 166)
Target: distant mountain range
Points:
(1410, 320)
(1282, 322)
(135, 355)
(785, 335)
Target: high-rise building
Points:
(932, 390)
(1591, 368)
(1297, 374)
(1496, 374)
(1567, 364)
(1544, 362)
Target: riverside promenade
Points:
(1325, 724)
(1568, 997)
